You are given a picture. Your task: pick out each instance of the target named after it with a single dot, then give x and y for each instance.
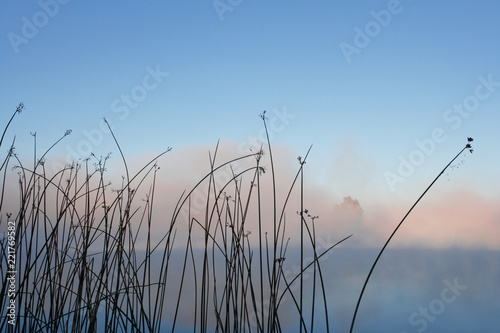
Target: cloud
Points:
(442, 230)
(351, 171)
(458, 217)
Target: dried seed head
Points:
(263, 115)
(20, 108)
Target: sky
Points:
(386, 92)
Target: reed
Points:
(86, 258)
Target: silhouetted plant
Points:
(78, 256)
(467, 146)
(79, 266)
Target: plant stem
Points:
(394, 232)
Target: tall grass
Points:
(88, 257)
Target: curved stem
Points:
(394, 232)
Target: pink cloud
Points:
(459, 218)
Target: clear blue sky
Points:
(363, 81)
(226, 67)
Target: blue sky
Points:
(261, 56)
(186, 74)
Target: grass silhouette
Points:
(86, 259)
(467, 147)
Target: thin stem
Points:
(394, 232)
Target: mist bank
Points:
(411, 290)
